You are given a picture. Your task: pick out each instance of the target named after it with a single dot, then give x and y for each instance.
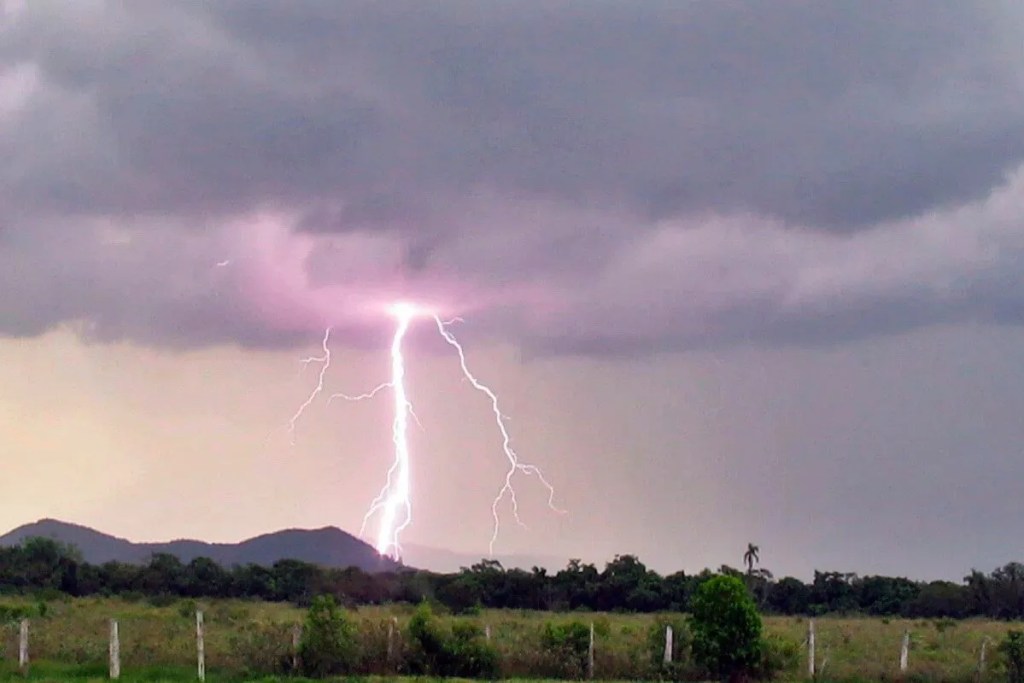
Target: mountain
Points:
(329, 547)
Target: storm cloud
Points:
(579, 177)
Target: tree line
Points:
(625, 584)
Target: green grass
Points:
(244, 640)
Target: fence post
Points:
(115, 651)
(296, 641)
(487, 632)
(904, 651)
(392, 627)
(981, 659)
(668, 644)
(590, 653)
(23, 646)
(810, 649)
(200, 647)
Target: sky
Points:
(738, 272)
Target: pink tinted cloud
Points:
(294, 282)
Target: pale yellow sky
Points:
(153, 445)
(681, 458)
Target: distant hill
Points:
(328, 547)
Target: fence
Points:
(250, 647)
(237, 639)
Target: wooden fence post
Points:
(667, 659)
(23, 646)
(905, 651)
(487, 632)
(392, 627)
(810, 649)
(981, 659)
(200, 647)
(296, 642)
(590, 653)
(115, 651)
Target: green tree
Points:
(726, 628)
(626, 583)
(789, 596)
(165, 574)
(576, 585)
(328, 644)
(1012, 650)
(204, 577)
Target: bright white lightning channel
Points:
(396, 492)
(394, 500)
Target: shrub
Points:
(459, 651)
(470, 656)
(187, 608)
(328, 640)
(566, 648)
(428, 642)
(1012, 650)
(726, 628)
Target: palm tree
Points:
(751, 556)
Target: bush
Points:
(1012, 650)
(471, 655)
(726, 628)
(566, 648)
(460, 651)
(328, 645)
(188, 608)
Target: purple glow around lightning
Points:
(395, 497)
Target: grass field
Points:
(249, 639)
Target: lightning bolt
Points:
(394, 500)
(362, 397)
(325, 364)
(395, 494)
(506, 444)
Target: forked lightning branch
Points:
(393, 505)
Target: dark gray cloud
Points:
(703, 169)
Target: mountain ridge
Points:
(327, 546)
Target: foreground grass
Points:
(69, 673)
(244, 639)
(60, 673)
